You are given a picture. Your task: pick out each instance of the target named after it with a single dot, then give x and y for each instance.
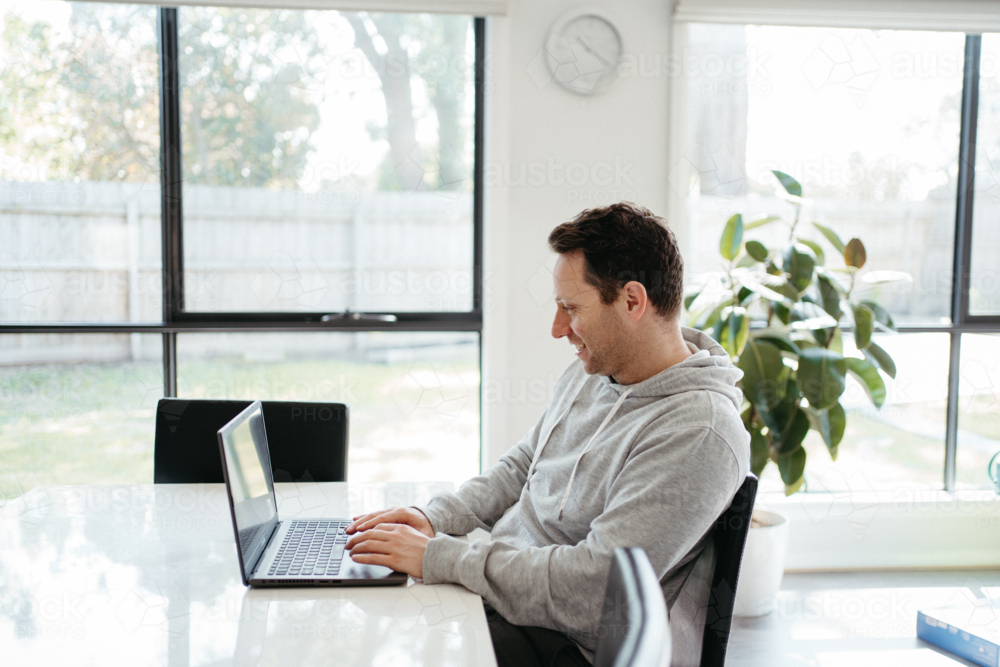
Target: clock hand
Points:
(586, 46)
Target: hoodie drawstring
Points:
(545, 441)
(572, 475)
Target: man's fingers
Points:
(368, 521)
(365, 519)
(380, 533)
(372, 547)
(374, 559)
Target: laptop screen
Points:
(247, 466)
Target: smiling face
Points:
(597, 331)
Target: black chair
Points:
(307, 441)
(633, 630)
(729, 539)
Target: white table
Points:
(145, 575)
(854, 619)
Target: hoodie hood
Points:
(707, 369)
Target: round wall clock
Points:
(582, 49)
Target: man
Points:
(642, 445)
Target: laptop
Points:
(296, 552)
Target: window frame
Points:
(962, 321)
(176, 320)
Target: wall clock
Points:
(582, 49)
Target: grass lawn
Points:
(94, 423)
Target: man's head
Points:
(618, 280)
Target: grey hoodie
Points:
(659, 473)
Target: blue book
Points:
(970, 631)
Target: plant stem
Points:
(798, 212)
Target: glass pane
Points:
(414, 397)
(867, 121)
(77, 409)
(978, 409)
(79, 163)
(327, 160)
(902, 444)
(984, 283)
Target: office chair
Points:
(633, 630)
(729, 538)
(307, 441)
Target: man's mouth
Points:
(579, 347)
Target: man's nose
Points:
(560, 325)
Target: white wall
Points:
(534, 122)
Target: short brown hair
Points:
(624, 242)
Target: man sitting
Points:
(642, 445)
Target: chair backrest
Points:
(633, 630)
(307, 441)
(729, 537)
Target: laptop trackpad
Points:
(351, 570)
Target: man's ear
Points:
(636, 300)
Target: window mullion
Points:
(170, 188)
(963, 244)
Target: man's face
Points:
(596, 330)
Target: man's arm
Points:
(478, 503)
(664, 500)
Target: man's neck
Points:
(664, 349)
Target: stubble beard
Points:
(613, 345)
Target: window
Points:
(311, 224)
(871, 123)
(327, 160)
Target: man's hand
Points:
(394, 545)
(402, 515)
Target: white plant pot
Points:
(763, 564)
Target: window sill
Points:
(904, 528)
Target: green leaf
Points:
(787, 423)
(820, 256)
(689, 299)
(762, 368)
(868, 376)
(792, 466)
(760, 451)
(799, 263)
(830, 296)
(807, 315)
(864, 320)
(854, 253)
(832, 423)
(822, 376)
(760, 222)
(778, 339)
(732, 330)
(831, 236)
(836, 342)
(757, 250)
(882, 315)
(768, 286)
(732, 237)
(744, 295)
(879, 357)
(782, 311)
(791, 186)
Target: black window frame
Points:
(176, 320)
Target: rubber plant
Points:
(781, 314)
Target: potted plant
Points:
(781, 314)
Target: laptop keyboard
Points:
(311, 548)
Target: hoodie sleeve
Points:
(482, 500)
(672, 487)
